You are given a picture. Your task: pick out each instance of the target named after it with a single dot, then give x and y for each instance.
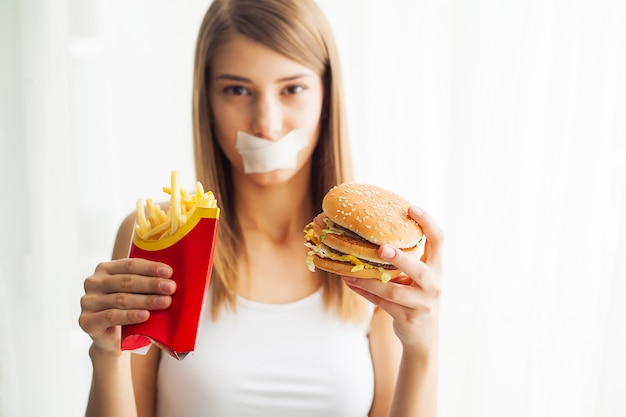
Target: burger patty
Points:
(345, 241)
(365, 261)
(321, 228)
(319, 234)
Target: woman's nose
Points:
(267, 119)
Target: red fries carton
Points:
(189, 251)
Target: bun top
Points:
(375, 214)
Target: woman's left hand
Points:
(412, 300)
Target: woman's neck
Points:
(272, 220)
(275, 212)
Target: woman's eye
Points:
(236, 90)
(294, 89)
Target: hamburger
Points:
(356, 219)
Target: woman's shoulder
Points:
(126, 229)
(124, 236)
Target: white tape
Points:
(263, 155)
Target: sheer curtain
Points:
(505, 120)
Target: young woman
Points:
(278, 339)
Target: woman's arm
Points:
(111, 391)
(416, 389)
(405, 380)
(121, 292)
(414, 308)
(144, 373)
(386, 351)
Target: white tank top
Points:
(275, 360)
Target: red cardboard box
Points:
(190, 254)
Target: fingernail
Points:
(417, 211)
(387, 252)
(162, 301)
(164, 271)
(143, 315)
(167, 287)
(349, 279)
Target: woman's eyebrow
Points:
(294, 77)
(233, 77)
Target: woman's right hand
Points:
(120, 292)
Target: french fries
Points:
(153, 223)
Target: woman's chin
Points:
(276, 177)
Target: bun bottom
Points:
(344, 268)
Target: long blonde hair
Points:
(298, 30)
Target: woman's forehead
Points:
(247, 58)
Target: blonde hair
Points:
(298, 30)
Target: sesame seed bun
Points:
(377, 215)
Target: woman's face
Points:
(256, 90)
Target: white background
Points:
(504, 119)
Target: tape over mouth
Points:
(263, 155)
